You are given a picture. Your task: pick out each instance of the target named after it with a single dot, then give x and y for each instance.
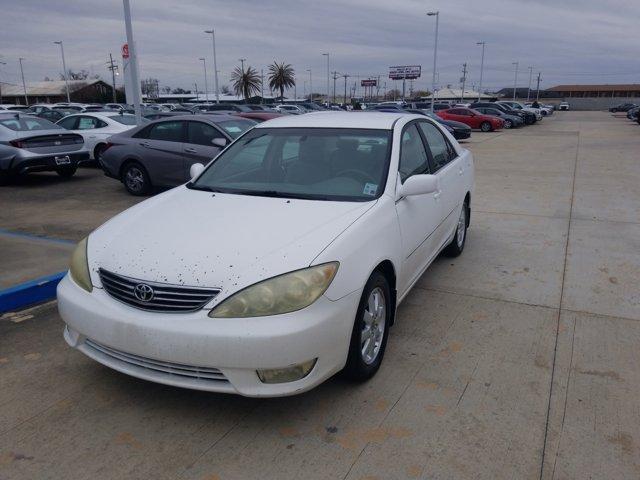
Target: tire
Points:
(66, 172)
(98, 151)
(136, 179)
(362, 365)
(508, 124)
(485, 127)
(459, 240)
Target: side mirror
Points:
(419, 185)
(195, 170)
(219, 142)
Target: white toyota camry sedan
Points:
(280, 263)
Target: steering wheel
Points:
(358, 175)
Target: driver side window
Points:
(413, 155)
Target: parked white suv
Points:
(281, 263)
(564, 106)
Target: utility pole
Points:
(113, 67)
(529, 89)
(435, 56)
(515, 81)
(261, 85)
(64, 69)
(133, 62)
(345, 89)
(335, 76)
(1, 63)
(310, 86)
(215, 63)
(464, 80)
(24, 85)
(481, 68)
(206, 86)
(197, 96)
(327, 55)
(538, 88)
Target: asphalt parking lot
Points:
(517, 360)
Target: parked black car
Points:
(459, 130)
(623, 107)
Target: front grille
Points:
(177, 369)
(164, 297)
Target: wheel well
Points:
(467, 199)
(386, 268)
(95, 149)
(128, 161)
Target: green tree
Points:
(280, 77)
(246, 82)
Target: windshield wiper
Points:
(278, 194)
(203, 188)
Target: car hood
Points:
(195, 238)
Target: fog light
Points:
(286, 374)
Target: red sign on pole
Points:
(125, 50)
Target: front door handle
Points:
(145, 144)
(190, 150)
(460, 171)
(437, 194)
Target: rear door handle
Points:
(145, 144)
(190, 150)
(437, 194)
(460, 171)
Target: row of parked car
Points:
(632, 111)
(173, 137)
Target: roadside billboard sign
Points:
(402, 72)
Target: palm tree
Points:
(246, 82)
(280, 77)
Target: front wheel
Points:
(66, 172)
(370, 329)
(508, 124)
(456, 246)
(485, 126)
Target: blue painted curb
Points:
(29, 293)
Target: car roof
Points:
(333, 119)
(210, 118)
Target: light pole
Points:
(64, 70)
(530, 77)
(215, 63)
(1, 63)
(481, 68)
(133, 62)
(242, 60)
(24, 85)
(310, 86)
(327, 55)
(435, 56)
(515, 81)
(206, 85)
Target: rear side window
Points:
(69, 123)
(28, 124)
(200, 133)
(441, 151)
(166, 131)
(413, 156)
(88, 123)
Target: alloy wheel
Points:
(374, 319)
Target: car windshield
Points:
(235, 128)
(28, 123)
(124, 119)
(312, 163)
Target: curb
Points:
(29, 293)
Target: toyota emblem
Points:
(143, 292)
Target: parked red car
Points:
(473, 118)
(259, 116)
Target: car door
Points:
(162, 152)
(199, 147)
(418, 215)
(450, 170)
(89, 127)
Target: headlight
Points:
(79, 267)
(283, 294)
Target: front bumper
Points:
(98, 325)
(47, 163)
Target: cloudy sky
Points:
(569, 41)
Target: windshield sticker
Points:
(370, 189)
(233, 129)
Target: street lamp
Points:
(1, 63)
(435, 56)
(481, 69)
(530, 78)
(310, 86)
(215, 63)
(515, 80)
(327, 55)
(206, 85)
(24, 85)
(64, 70)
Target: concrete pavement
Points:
(517, 360)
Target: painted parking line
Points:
(29, 293)
(31, 236)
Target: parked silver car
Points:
(160, 153)
(32, 144)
